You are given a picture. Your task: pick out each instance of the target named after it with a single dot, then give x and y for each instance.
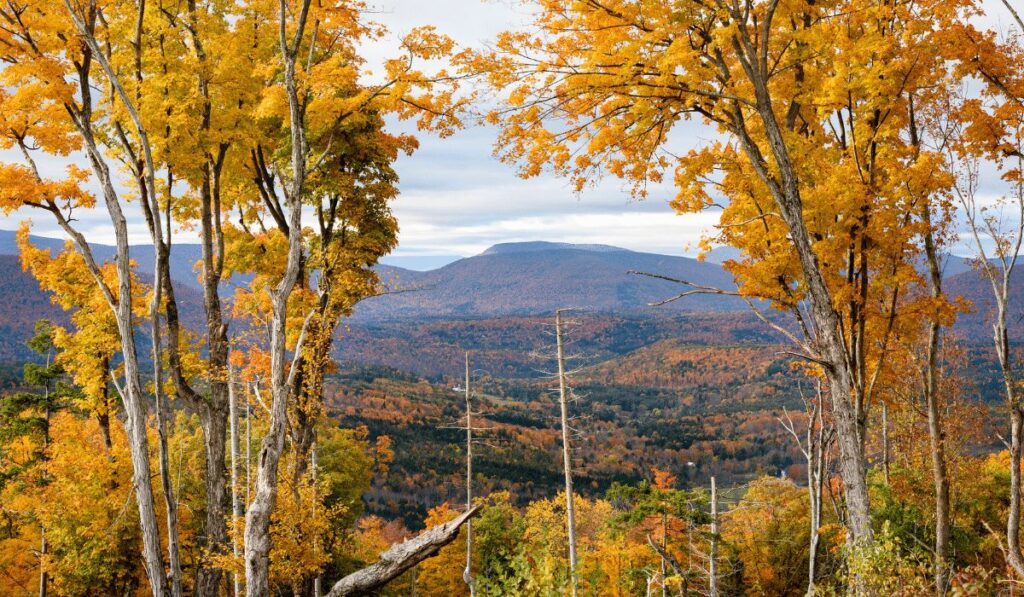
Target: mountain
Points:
(504, 295)
(539, 277)
(182, 261)
(24, 303)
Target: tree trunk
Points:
(314, 465)
(121, 303)
(563, 400)
(468, 573)
(936, 435)
(213, 418)
(713, 552)
(819, 445)
(136, 425)
(1013, 518)
(43, 577)
(885, 443)
(236, 503)
(257, 519)
(170, 501)
(785, 189)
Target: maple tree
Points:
(823, 187)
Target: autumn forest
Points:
(215, 383)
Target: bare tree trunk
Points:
(818, 439)
(121, 302)
(885, 443)
(135, 410)
(43, 580)
(468, 573)
(314, 464)
(713, 552)
(936, 434)
(563, 400)
(236, 502)
(664, 545)
(1007, 250)
(170, 501)
(1013, 518)
(248, 455)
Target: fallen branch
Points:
(400, 558)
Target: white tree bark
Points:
(563, 400)
(132, 394)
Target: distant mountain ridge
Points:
(539, 277)
(506, 280)
(182, 260)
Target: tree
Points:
(563, 401)
(988, 127)
(658, 504)
(812, 100)
(815, 445)
(26, 416)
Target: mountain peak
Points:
(540, 245)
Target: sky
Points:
(457, 199)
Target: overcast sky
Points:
(456, 199)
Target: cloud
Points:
(659, 232)
(458, 199)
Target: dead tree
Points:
(713, 551)
(998, 269)
(472, 439)
(467, 574)
(563, 400)
(814, 445)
